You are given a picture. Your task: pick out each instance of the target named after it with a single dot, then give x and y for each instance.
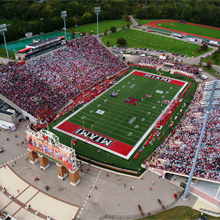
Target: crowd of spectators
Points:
(160, 63)
(179, 157)
(43, 85)
(185, 67)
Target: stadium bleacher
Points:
(43, 85)
(177, 157)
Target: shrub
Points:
(122, 41)
(127, 18)
(204, 47)
(113, 29)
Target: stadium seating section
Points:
(177, 155)
(43, 86)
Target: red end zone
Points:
(157, 77)
(99, 140)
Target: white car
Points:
(204, 77)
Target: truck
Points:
(7, 125)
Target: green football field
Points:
(119, 119)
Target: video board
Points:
(49, 147)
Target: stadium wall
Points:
(204, 196)
(25, 115)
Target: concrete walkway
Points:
(25, 195)
(110, 196)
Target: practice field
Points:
(107, 24)
(21, 44)
(120, 124)
(142, 39)
(189, 28)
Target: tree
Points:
(128, 25)
(108, 43)
(113, 29)
(73, 34)
(215, 55)
(123, 28)
(121, 41)
(106, 32)
(204, 47)
(35, 10)
(86, 18)
(209, 64)
(127, 18)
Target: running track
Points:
(154, 25)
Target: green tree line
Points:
(25, 15)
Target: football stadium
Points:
(120, 123)
(83, 104)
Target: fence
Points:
(137, 216)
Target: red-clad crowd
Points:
(179, 158)
(43, 86)
(159, 63)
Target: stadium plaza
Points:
(109, 197)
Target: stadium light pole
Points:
(97, 10)
(3, 28)
(42, 24)
(63, 16)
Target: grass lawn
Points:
(5, 21)
(179, 213)
(90, 151)
(142, 39)
(208, 32)
(216, 61)
(146, 21)
(4, 55)
(102, 26)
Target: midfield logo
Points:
(132, 100)
(95, 137)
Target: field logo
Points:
(132, 100)
(95, 137)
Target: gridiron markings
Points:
(113, 126)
